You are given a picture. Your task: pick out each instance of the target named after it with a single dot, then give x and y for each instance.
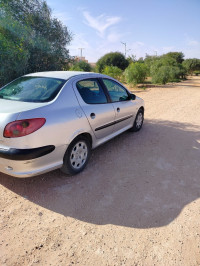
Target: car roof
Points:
(61, 74)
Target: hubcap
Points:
(79, 154)
(139, 120)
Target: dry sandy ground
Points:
(136, 203)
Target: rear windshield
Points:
(32, 89)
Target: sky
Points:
(150, 27)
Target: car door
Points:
(125, 108)
(94, 102)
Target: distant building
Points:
(93, 64)
(78, 59)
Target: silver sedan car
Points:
(51, 120)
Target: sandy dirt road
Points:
(136, 203)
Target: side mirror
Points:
(132, 96)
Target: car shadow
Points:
(140, 180)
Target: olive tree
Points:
(112, 59)
(166, 69)
(177, 56)
(30, 39)
(81, 66)
(191, 65)
(136, 73)
(113, 71)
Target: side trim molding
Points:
(113, 123)
(25, 154)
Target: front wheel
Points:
(138, 121)
(76, 156)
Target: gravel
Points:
(136, 203)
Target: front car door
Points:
(95, 104)
(125, 108)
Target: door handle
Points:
(118, 109)
(92, 115)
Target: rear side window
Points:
(32, 89)
(91, 91)
(117, 93)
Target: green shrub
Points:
(196, 73)
(166, 74)
(191, 65)
(112, 59)
(166, 69)
(81, 66)
(75, 68)
(113, 71)
(161, 75)
(136, 73)
(177, 56)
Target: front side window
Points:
(91, 91)
(32, 89)
(117, 92)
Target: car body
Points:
(51, 120)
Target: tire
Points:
(138, 121)
(76, 156)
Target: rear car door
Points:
(94, 102)
(125, 108)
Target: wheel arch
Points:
(86, 135)
(142, 109)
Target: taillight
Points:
(22, 128)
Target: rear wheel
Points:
(76, 156)
(138, 121)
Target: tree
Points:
(140, 60)
(191, 65)
(13, 55)
(149, 60)
(162, 75)
(112, 59)
(81, 66)
(33, 39)
(177, 56)
(136, 73)
(131, 59)
(167, 69)
(113, 71)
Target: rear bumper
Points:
(25, 154)
(20, 164)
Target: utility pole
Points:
(81, 49)
(125, 50)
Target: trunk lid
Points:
(9, 107)
(10, 110)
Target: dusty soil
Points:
(136, 203)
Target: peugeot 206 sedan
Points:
(51, 120)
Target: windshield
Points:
(32, 89)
